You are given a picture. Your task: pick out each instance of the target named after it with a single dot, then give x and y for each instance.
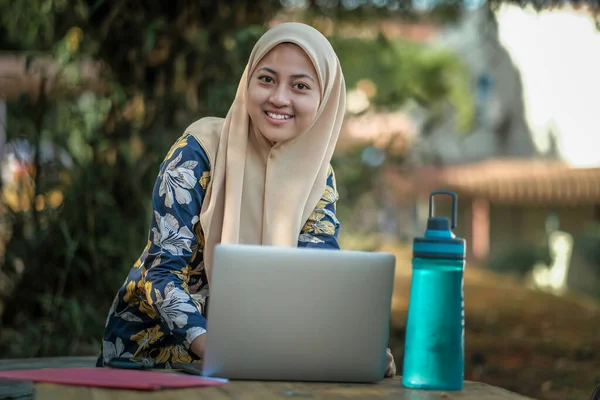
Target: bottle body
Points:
(434, 346)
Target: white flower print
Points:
(131, 317)
(199, 298)
(169, 236)
(192, 334)
(330, 215)
(111, 350)
(307, 238)
(177, 180)
(174, 306)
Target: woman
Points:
(259, 176)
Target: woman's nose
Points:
(280, 96)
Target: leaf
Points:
(128, 316)
(189, 164)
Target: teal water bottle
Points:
(434, 346)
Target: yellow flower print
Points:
(164, 355)
(314, 216)
(147, 309)
(174, 354)
(180, 354)
(131, 297)
(181, 142)
(147, 337)
(142, 258)
(148, 290)
(184, 275)
(319, 227)
(329, 197)
(204, 179)
(317, 222)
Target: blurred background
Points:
(497, 101)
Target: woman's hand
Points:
(197, 346)
(390, 370)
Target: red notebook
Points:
(111, 378)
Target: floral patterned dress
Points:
(161, 307)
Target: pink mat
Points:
(111, 378)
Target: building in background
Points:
(532, 157)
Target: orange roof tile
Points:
(515, 181)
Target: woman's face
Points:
(283, 94)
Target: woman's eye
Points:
(302, 86)
(266, 79)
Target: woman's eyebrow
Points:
(295, 76)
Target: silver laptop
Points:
(298, 314)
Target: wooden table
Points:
(244, 390)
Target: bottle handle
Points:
(454, 201)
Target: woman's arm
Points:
(177, 200)
(322, 228)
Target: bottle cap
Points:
(439, 242)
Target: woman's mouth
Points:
(276, 118)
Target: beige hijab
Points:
(263, 194)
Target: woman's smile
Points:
(278, 118)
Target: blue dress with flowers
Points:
(160, 308)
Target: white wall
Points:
(558, 56)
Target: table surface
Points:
(250, 390)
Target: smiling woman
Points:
(284, 93)
(261, 175)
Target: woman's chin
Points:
(276, 137)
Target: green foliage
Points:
(359, 11)
(76, 255)
(165, 66)
(519, 258)
(398, 72)
(162, 66)
(354, 179)
(402, 71)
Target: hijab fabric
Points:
(261, 193)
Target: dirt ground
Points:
(532, 343)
